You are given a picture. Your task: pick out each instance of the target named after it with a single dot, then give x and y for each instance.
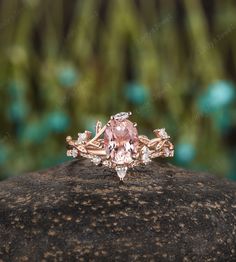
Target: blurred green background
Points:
(65, 64)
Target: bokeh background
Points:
(64, 64)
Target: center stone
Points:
(121, 141)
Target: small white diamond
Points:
(146, 155)
(122, 116)
(74, 152)
(107, 163)
(81, 138)
(168, 152)
(121, 171)
(69, 153)
(162, 133)
(96, 160)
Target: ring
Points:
(117, 145)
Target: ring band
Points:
(117, 145)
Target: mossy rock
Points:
(80, 212)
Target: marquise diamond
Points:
(121, 171)
(146, 155)
(81, 138)
(162, 133)
(74, 152)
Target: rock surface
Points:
(80, 212)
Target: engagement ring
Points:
(117, 145)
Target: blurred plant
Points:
(136, 94)
(57, 122)
(4, 153)
(185, 153)
(67, 76)
(65, 64)
(218, 96)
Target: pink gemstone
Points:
(121, 141)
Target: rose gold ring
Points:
(117, 145)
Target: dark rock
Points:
(80, 212)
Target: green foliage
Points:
(65, 64)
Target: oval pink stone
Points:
(121, 141)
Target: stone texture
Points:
(80, 212)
